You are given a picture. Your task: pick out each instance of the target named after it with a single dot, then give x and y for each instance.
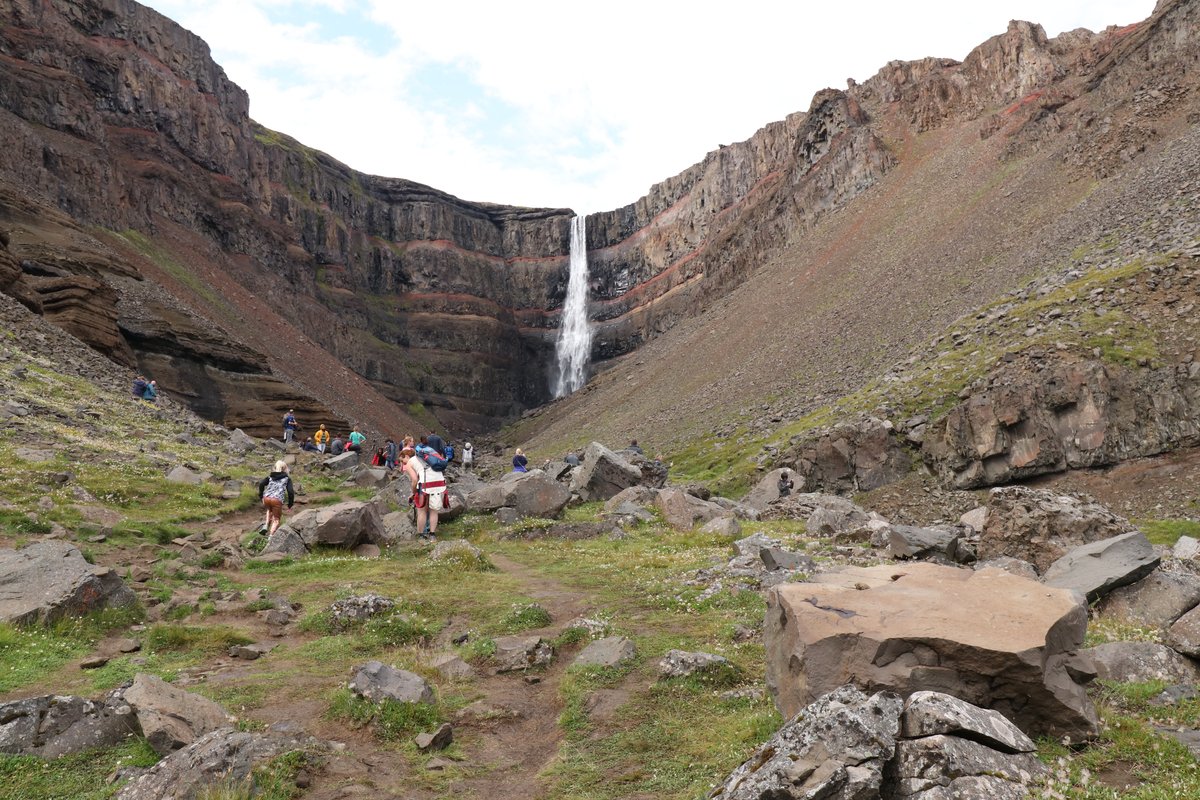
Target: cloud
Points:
(551, 104)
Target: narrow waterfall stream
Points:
(574, 346)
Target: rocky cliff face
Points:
(120, 120)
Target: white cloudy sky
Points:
(562, 104)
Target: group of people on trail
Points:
(423, 462)
(144, 389)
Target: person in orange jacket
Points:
(321, 438)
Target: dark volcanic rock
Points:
(45, 581)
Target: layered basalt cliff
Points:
(119, 119)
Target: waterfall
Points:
(574, 345)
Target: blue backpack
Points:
(432, 458)
(449, 452)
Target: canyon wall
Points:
(358, 289)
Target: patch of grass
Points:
(16, 523)
(79, 777)
(524, 617)
(1102, 630)
(391, 721)
(398, 629)
(274, 780)
(28, 654)
(175, 638)
(1167, 531)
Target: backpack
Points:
(276, 489)
(432, 458)
(449, 452)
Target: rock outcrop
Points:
(1063, 415)
(46, 581)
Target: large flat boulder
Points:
(46, 581)
(1040, 527)
(603, 474)
(988, 637)
(347, 524)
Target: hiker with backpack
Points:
(520, 462)
(468, 455)
(433, 458)
(436, 442)
(139, 387)
(273, 491)
(429, 495)
(290, 425)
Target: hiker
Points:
(379, 459)
(356, 440)
(468, 455)
(273, 490)
(390, 452)
(436, 442)
(520, 462)
(428, 494)
(633, 447)
(150, 393)
(139, 387)
(785, 484)
(337, 447)
(321, 437)
(310, 446)
(289, 425)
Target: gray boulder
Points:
(766, 491)
(837, 747)
(220, 758)
(241, 442)
(954, 767)
(753, 544)
(346, 524)
(1155, 601)
(285, 541)
(438, 740)
(603, 474)
(936, 544)
(723, 526)
(529, 494)
(377, 682)
(1184, 634)
(370, 477)
(350, 611)
(1186, 548)
(1013, 566)
(776, 558)
(48, 580)
(521, 653)
(933, 713)
(52, 726)
(170, 717)
(398, 526)
(182, 474)
(683, 511)
(610, 651)
(450, 665)
(836, 517)
(639, 496)
(681, 663)
(341, 463)
(1126, 662)
(1097, 568)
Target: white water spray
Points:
(574, 345)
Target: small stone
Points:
(438, 740)
(93, 662)
(129, 645)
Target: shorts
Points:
(274, 508)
